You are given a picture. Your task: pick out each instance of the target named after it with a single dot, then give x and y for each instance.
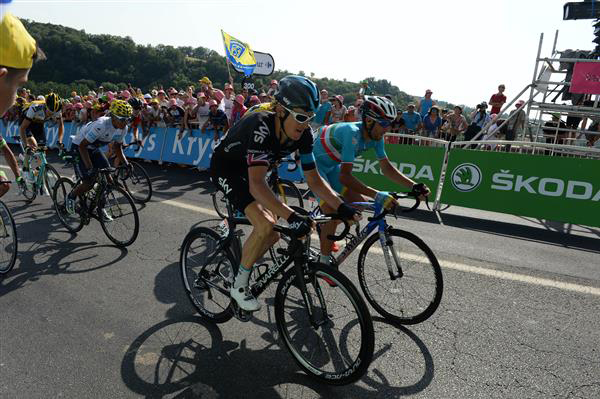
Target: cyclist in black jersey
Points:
(240, 163)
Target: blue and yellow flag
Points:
(239, 54)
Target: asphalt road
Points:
(83, 319)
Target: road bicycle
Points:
(40, 174)
(284, 189)
(407, 287)
(328, 330)
(110, 204)
(8, 239)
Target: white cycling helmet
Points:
(379, 107)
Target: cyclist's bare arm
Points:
(24, 125)
(352, 183)
(394, 174)
(321, 189)
(118, 149)
(11, 160)
(263, 194)
(61, 130)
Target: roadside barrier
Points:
(546, 181)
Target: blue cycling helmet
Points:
(298, 92)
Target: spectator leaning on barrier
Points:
(412, 119)
(498, 100)
(432, 122)
(238, 109)
(457, 124)
(202, 110)
(425, 104)
(338, 109)
(217, 120)
(175, 113)
(228, 99)
(479, 118)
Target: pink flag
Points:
(586, 78)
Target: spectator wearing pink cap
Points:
(217, 120)
(174, 115)
(125, 95)
(254, 100)
(338, 110)
(238, 109)
(228, 99)
(202, 110)
(273, 88)
(323, 113)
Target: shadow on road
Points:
(188, 357)
(548, 232)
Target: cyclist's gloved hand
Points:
(421, 189)
(91, 172)
(347, 212)
(385, 199)
(300, 225)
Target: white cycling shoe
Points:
(245, 299)
(105, 215)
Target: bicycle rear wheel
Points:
(414, 292)
(8, 240)
(72, 222)
(122, 224)
(138, 183)
(339, 350)
(207, 275)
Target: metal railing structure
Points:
(539, 103)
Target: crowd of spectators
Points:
(206, 109)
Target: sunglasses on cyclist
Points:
(300, 118)
(383, 122)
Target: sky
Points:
(460, 49)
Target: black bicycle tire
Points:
(218, 208)
(294, 190)
(439, 282)
(13, 226)
(136, 227)
(361, 365)
(30, 195)
(146, 177)
(227, 313)
(53, 170)
(57, 186)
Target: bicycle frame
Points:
(41, 154)
(358, 239)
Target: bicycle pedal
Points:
(239, 313)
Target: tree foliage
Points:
(81, 61)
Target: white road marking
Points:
(523, 278)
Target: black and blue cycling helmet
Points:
(298, 92)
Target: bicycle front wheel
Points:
(207, 274)
(72, 222)
(138, 184)
(288, 193)
(336, 346)
(412, 291)
(118, 216)
(51, 176)
(8, 240)
(219, 203)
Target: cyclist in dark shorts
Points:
(240, 163)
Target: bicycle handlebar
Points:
(320, 219)
(413, 193)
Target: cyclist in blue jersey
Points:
(335, 148)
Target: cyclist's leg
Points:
(4, 187)
(34, 130)
(331, 174)
(99, 161)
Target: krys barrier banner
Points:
(546, 187)
(193, 148)
(422, 164)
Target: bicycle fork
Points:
(309, 305)
(388, 247)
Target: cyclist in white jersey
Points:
(88, 141)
